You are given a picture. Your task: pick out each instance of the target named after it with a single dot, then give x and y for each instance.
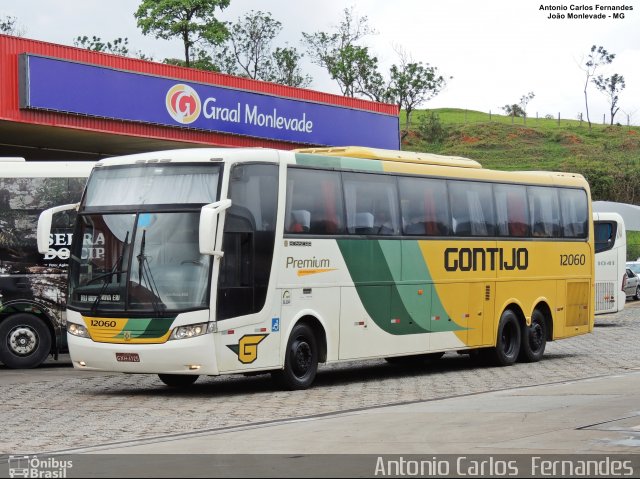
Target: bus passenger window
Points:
(314, 202)
(425, 209)
(370, 194)
(545, 211)
(575, 213)
(471, 208)
(511, 210)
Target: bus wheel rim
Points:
(535, 336)
(23, 340)
(302, 355)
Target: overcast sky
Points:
(496, 50)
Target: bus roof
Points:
(393, 155)
(46, 169)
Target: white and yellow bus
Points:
(217, 261)
(610, 243)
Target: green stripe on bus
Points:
(396, 305)
(306, 159)
(146, 327)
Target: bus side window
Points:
(370, 194)
(314, 202)
(425, 209)
(604, 231)
(511, 210)
(545, 211)
(471, 208)
(575, 213)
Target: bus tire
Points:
(508, 340)
(534, 339)
(178, 380)
(301, 360)
(25, 341)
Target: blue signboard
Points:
(82, 89)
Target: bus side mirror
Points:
(209, 226)
(44, 225)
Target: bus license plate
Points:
(128, 357)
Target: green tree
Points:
(200, 59)
(596, 58)
(611, 87)
(286, 68)
(513, 110)
(524, 101)
(519, 109)
(9, 26)
(346, 62)
(119, 46)
(412, 84)
(248, 51)
(192, 21)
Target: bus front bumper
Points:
(183, 356)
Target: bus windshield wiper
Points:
(145, 276)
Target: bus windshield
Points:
(143, 259)
(152, 184)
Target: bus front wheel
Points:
(178, 380)
(25, 341)
(301, 360)
(508, 341)
(534, 339)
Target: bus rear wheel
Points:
(25, 341)
(301, 360)
(508, 341)
(534, 339)
(178, 380)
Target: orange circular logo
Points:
(183, 104)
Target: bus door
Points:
(245, 269)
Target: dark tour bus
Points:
(33, 286)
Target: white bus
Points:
(33, 285)
(220, 261)
(610, 258)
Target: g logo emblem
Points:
(247, 347)
(183, 104)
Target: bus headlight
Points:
(190, 331)
(77, 330)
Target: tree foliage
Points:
(286, 68)
(249, 52)
(611, 87)
(9, 26)
(513, 110)
(119, 46)
(519, 109)
(248, 49)
(192, 21)
(348, 63)
(412, 84)
(597, 57)
(524, 101)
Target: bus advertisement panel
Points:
(242, 261)
(33, 284)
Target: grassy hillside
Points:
(608, 156)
